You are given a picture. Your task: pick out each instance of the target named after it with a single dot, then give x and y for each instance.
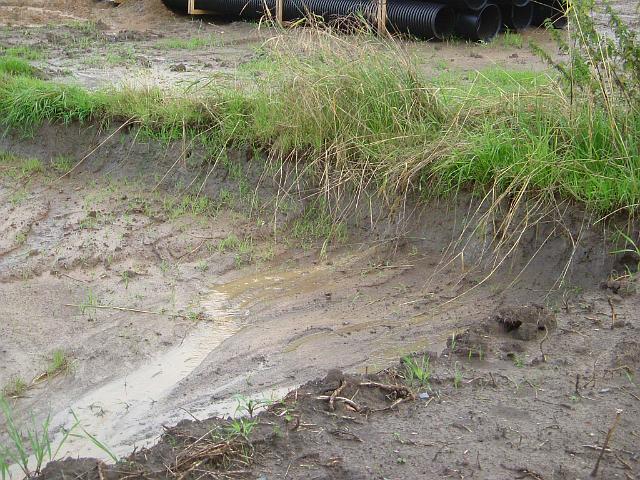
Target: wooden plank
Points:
(382, 17)
(279, 10)
(192, 10)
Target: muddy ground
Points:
(142, 43)
(206, 319)
(167, 305)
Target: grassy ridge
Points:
(356, 116)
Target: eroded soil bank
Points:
(173, 293)
(169, 304)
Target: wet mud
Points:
(169, 307)
(164, 324)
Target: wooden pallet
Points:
(381, 13)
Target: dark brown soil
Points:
(541, 420)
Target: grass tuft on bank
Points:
(355, 115)
(10, 65)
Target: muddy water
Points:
(128, 411)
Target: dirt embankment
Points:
(129, 15)
(168, 292)
(168, 305)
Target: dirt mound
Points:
(222, 446)
(497, 333)
(140, 14)
(375, 426)
(525, 322)
(129, 15)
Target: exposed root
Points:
(401, 391)
(347, 401)
(335, 393)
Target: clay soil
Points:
(169, 306)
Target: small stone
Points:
(423, 396)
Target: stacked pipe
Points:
(553, 10)
(476, 20)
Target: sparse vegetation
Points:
(89, 304)
(417, 372)
(512, 39)
(62, 163)
(30, 166)
(457, 375)
(58, 364)
(28, 448)
(241, 427)
(16, 387)
(31, 447)
(518, 361)
(192, 43)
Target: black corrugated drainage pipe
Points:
(426, 20)
(517, 17)
(177, 5)
(554, 10)
(475, 5)
(479, 26)
(422, 19)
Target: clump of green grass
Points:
(19, 167)
(16, 387)
(33, 442)
(243, 248)
(62, 163)
(189, 204)
(28, 102)
(11, 65)
(512, 39)
(518, 361)
(30, 166)
(29, 448)
(230, 243)
(317, 222)
(25, 52)
(59, 363)
(457, 375)
(417, 372)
